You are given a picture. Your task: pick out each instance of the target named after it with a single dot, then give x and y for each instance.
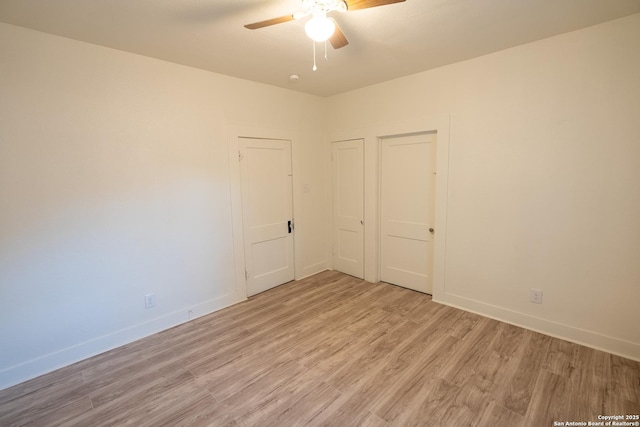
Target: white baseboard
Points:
(584, 337)
(65, 357)
(312, 269)
(50, 362)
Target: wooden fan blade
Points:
(269, 22)
(338, 38)
(365, 4)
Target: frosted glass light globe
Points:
(319, 28)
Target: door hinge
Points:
(290, 225)
(240, 155)
(246, 275)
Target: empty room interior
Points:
(320, 212)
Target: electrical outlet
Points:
(536, 296)
(149, 300)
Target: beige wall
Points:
(543, 182)
(115, 182)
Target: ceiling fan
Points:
(320, 27)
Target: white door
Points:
(267, 212)
(407, 210)
(348, 206)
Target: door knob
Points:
(431, 230)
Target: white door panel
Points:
(265, 170)
(348, 206)
(407, 210)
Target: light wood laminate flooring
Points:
(337, 351)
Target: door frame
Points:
(372, 135)
(238, 287)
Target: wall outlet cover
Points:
(536, 296)
(149, 300)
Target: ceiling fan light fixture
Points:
(319, 28)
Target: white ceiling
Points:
(385, 42)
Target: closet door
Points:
(348, 206)
(407, 210)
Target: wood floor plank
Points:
(431, 330)
(405, 304)
(126, 409)
(312, 352)
(40, 383)
(332, 350)
(61, 414)
(176, 404)
(379, 353)
(509, 341)
(199, 413)
(301, 407)
(589, 374)
(430, 403)
(367, 390)
(426, 310)
(353, 349)
(465, 407)
(561, 358)
(496, 415)
(516, 396)
(131, 382)
(253, 408)
(268, 394)
(476, 343)
(392, 405)
(371, 420)
(465, 324)
(492, 371)
(550, 401)
(42, 402)
(239, 374)
(625, 375)
(497, 367)
(629, 408)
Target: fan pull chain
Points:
(314, 56)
